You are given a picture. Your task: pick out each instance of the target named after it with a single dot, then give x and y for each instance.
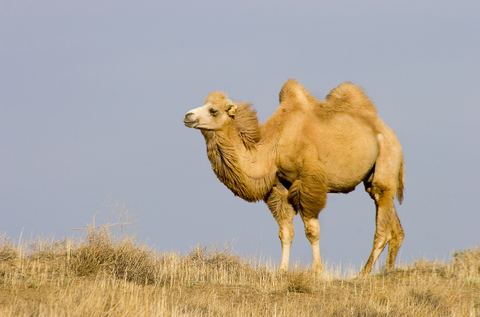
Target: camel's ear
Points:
(231, 110)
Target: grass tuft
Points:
(215, 259)
(467, 262)
(121, 259)
(7, 250)
(300, 282)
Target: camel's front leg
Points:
(312, 232)
(286, 233)
(308, 196)
(283, 213)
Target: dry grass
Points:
(105, 277)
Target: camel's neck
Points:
(247, 170)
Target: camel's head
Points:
(217, 111)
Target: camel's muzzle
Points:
(189, 121)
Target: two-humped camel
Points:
(306, 149)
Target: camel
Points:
(305, 150)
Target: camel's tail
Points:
(401, 182)
(349, 97)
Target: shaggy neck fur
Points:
(239, 158)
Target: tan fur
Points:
(247, 126)
(306, 149)
(293, 91)
(348, 97)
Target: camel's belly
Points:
(343, 177)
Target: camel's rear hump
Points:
(348, 97)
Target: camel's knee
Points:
(398, 235)
(389, 229)
(397, 232)
(393, 248)
(312, 229)
(380, 240)
(398, 226)
(286, 233)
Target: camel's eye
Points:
(213, 111)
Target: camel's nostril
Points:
(188, 116)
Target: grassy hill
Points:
(102, 276)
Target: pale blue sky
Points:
(93, 93)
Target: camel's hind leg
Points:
(283, 213)
(386, 182)
(396, 240)
(387, 230)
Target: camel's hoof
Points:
(317, 270)
(363, 273)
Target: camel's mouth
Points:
(190, 124)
